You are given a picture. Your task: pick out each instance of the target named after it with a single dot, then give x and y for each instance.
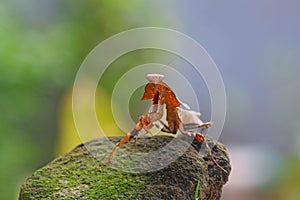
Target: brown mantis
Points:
(177, 118)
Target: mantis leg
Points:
(197, 126)
(146, 122)
(135, 131)
(165, 128)
(200, 138)
(184, 127)
(131, 148)
(212, 157)
(197, 135)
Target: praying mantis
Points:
(177, 118)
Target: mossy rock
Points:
(79, 175)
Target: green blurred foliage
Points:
(286, 184)
(42, 45)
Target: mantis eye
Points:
(155, 78)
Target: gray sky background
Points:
(256, 46)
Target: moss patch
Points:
(79, 175)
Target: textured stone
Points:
(79, 175)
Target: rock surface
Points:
(79, 175)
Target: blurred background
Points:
(255, 44)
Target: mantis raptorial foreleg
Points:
(145, 122)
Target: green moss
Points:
(78, 175)
(72, 177)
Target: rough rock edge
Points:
(78, 175)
